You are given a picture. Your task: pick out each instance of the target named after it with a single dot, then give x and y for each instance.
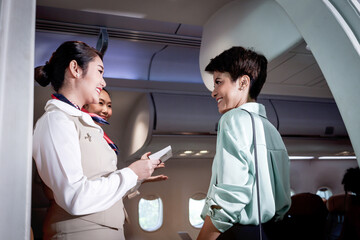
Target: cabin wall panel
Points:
(310, 175)
(186, 177)
(190, 176)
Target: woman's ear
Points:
(244, 82)
(74, 69)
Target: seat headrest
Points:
(337, 203)
(308, 204)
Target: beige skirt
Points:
(59, 224)
(79, 229)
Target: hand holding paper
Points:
(163, 155)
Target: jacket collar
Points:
(70, 110)
(255, 107)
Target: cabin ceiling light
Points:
(345, 153)
(204, 151)
(188, 152)
(116, 13)
(337, 157)
(301, 157)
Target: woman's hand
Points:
(145, 156)
(144, 167)
(157, 178)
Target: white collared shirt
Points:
(232, 195)
(57, 154)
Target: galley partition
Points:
(16, 115)
(331, 29)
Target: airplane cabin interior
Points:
(155, 55)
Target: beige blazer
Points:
(98, 159)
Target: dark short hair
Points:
(351, 181)
(238, 61)
(54, 70)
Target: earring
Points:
(77, 75)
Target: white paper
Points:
(164, 154)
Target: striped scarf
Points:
(100, 120)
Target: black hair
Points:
(238, 61)
(104, 89)
(54, 70)
(351, 181)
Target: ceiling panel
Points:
(290, 68)
(129, 59)
(175, 11)
(275, 63)
(123, 59)
(301, 48)
(47, 43)
(176, 64)
(305, 77)
(190, 30)
(105, 20)
(321, 83)
(139, 56)
(296, 73)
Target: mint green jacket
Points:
(232, 196)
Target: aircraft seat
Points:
(306, 218)
(337, 206)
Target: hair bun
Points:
(41, 75)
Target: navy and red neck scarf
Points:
(95, 117)
(62, 98)
(100, 120)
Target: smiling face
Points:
(229, 94)
(103, 108)
(92, 82)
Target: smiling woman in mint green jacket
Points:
(239, 75)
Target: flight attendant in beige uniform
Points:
(73, 159)
(101, 112)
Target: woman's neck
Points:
(251, 99)
(72, 97)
